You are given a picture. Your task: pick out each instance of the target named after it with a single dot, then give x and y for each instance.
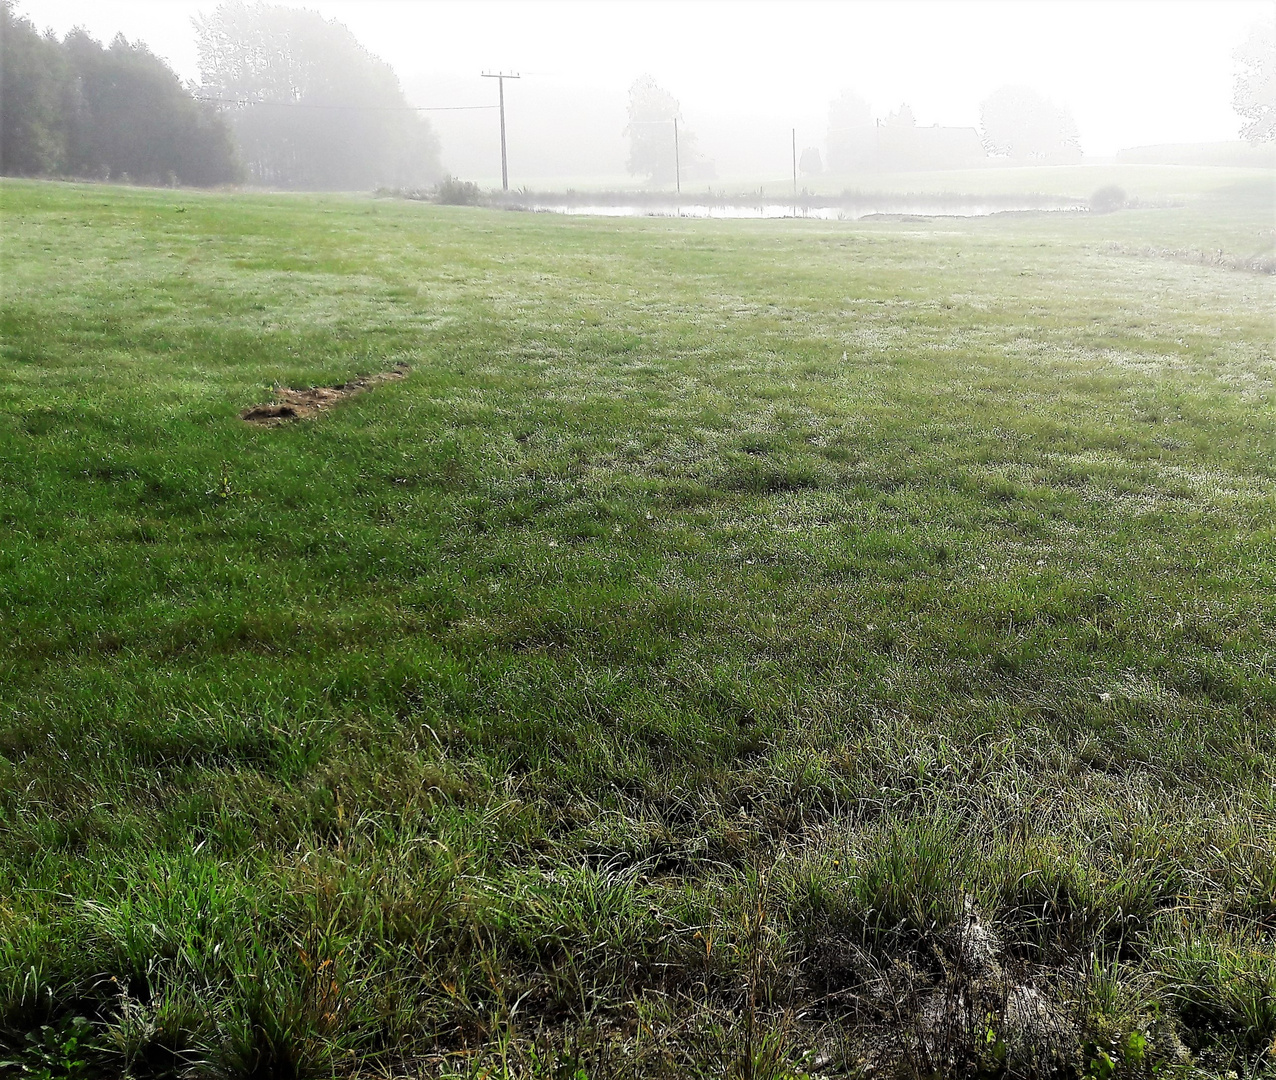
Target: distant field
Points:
(1140, 181)
(1182, 183)
(753, 649)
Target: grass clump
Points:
(770, 649)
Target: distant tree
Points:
(34, 87)
(902, 118)
(75, 108)
(810, 162)
(314, 108)
(852, 138)
(652, 111)
(1020, 123)
(1255, 94)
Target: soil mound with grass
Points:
(291, 404)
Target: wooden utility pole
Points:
(677, 159)
(501, 77)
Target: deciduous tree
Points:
(652, 111)
(312, 107)
(33, 85)
(133, 116)
(1255, 94)
(1020, 123)
(852, 142)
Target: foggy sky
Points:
(1131, 73)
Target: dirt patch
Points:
(290, 404)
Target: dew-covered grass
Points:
(723, 626)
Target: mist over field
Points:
(560, 541)
(746, 77)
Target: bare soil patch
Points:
(293, 404)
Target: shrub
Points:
(1107, 199)
(454, 192)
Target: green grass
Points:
(660, 679)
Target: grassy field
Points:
(753, 649)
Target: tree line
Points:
(1015, 123)
(292, 100)
(76, 108)
(286, 99)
